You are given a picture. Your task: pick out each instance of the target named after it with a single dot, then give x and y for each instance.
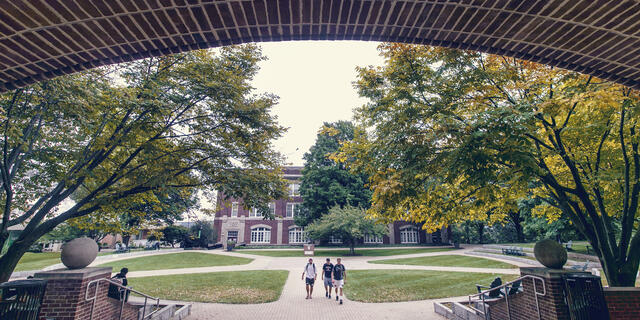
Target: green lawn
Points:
(37, 261)
(449, 260)
(411, 285)
(343, 252)
(176, 261)
(237, 287)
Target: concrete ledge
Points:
(549, 273)
(73, 274)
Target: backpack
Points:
(314, 267)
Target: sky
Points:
(314, 82)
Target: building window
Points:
(260, 235)
(255, 212)
(294, 189)
(409, 234)
(234, 209)
(232, 235)
(272, 209)
(297, 235)
(291, 209)
(372, 239)
(335, 240)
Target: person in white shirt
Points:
(311, 275)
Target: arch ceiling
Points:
(42, 39)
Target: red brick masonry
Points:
(623, 303)
(64, 298)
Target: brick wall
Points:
(64, 298)
(623, 303)
(523, 305)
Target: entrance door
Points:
(232, 235)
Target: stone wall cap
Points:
(613, 289)
(74, 273)
(549, 273)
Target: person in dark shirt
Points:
(118, 292)
(327, 269)
(339, 277)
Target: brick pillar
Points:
(552, 304)
(64, 298)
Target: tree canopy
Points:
(347, 223)
(326, 182)
(117, 135)
(450, 135)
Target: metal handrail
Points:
(506, 295)
(126, 291)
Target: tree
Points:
(346, 223)
(449, 135)
(326, 182)
(119, 134)
(160, 208)
(174, 234)
(200, 235)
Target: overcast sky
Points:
(314, 82)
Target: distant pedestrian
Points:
(327, 269)
(339, 277)
(311, 275)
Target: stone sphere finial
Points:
(79, 253)
(550, 253)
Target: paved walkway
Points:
(293, 305)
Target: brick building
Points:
(246, 225)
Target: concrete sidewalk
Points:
(292, 303)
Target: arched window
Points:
(297, 235)
(409, 234)
(260, 235)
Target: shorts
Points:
(327, 282)
(310, 281)
(338, 283)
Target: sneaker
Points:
(340, 301)
(336, 298)
(329, 296)
(326, 294)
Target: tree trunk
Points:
(9, 260)
(516, 219)
(352, 249)
(125, 239)
(480, 227)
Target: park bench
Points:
(122, 250)
(513, 251)
(507, 290)
(493, 293)
(569, 245)
(588, 247)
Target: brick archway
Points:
(42, 39)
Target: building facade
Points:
(247, 225)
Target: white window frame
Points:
(371, 239)
(409, 234)
(260, 235)
(255, 212)
(297, 235)
(293, 205)
(294, 189)
(335, 240)
(234, 209)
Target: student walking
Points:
(310, 271)
(327, 269)
(339, 277)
